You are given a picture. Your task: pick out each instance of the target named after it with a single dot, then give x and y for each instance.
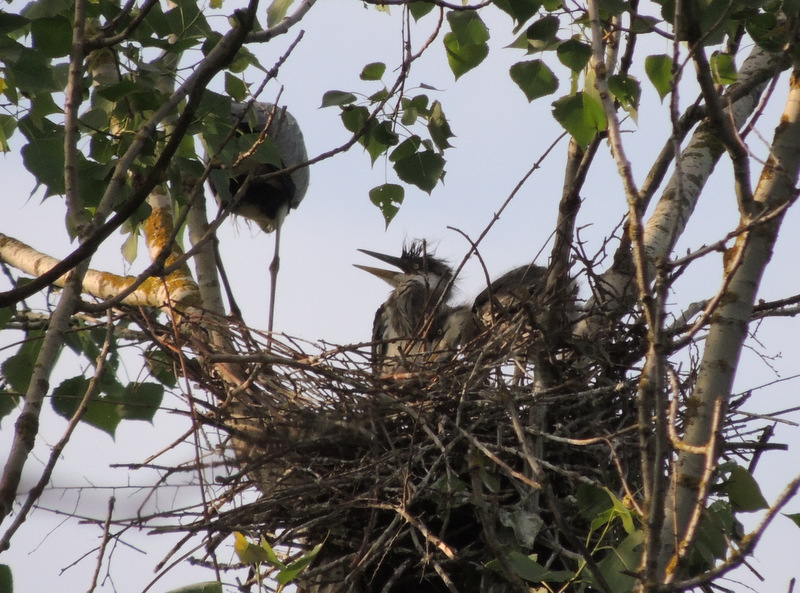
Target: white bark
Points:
(746, 262)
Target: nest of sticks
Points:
(431, 481)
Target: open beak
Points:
(393, 277)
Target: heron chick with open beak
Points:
(407, 325)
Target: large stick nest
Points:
(433, 480)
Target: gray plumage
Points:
(454, 328)
(267, 202)
(406, 326)
(506, 295)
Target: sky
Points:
(498, 136)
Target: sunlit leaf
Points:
(248, 552)
(373, 71)
(659, 71)
(289, 574)
(723, 68)
(439, 127)
(534, 78)
(581, 116)
(272, 557)
(130, 247)
(277, 11)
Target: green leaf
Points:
(534, 78)
(6, 314)
(723, 68)
(272, 557)
(574, 54)
(130, 247)
(519, 10)
(209, 587)
(659, 71)
(8, 403)
(337, 98)
(387, 198)
(33, 74)
(354, 118)
(626, 89)
(102, 413)
(290, 573)
(407, 147)
(413, 108)
(18, 368)
(420, 9)
(795, 517)
(581, 115)
(466, 43)
(11, 22)
(6, 581)
(379, 96)
(277, 11)
(612, 7)
(423, 169)
(52, 36)
(644, 24)
(528, 569)
(592, 501)
(624, 558)
(140, 401)
(541, 34)
(249, 553)
(161, 366)
(235, 87)
(467, 27)
(463, 58)
(716, 529)
(373, 71)
(438, 127)
(743, 491)
(44, 158)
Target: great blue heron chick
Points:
(403, 326)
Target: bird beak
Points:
(393, 277)
(389, 259)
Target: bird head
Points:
(415, 263)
